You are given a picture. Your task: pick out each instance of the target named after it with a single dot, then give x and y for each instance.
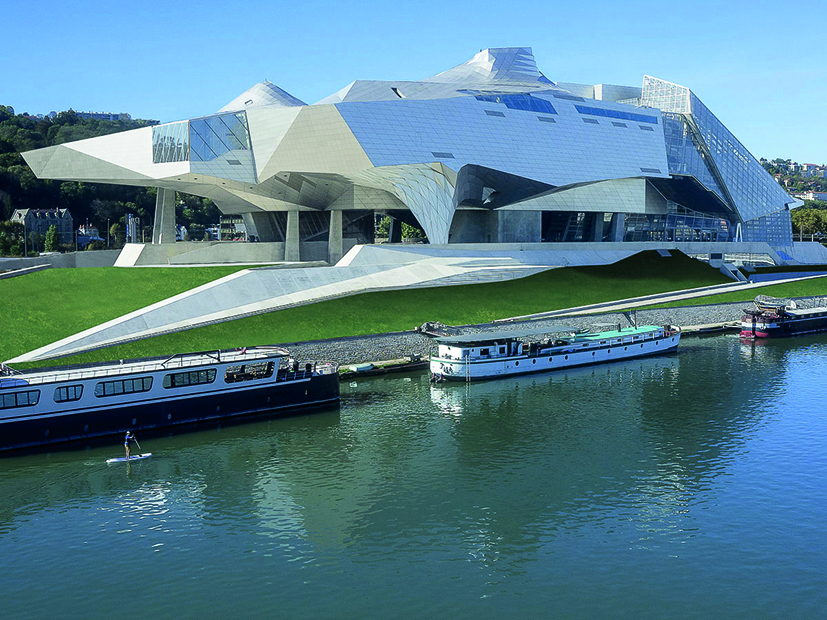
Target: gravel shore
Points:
(378, 347)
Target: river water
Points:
(685, 486)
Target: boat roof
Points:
(615, 333)
(501, 336)
(179, 361)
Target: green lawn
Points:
(368, 313)
(805, 288)
(45, 306)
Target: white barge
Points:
(498, 354)
(52, 406)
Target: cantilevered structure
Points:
(489, 151)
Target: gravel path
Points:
(360, 349)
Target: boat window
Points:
(124, 386)
(68, 393)
(195, 377)
(28, 398)
(484, 352)
(502, 349)
(602, 342)
(249, 372)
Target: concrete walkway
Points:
(633, 303)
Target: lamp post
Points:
(107, 233)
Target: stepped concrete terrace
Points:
(363, 269)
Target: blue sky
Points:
(759, 66)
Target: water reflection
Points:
(502, 475)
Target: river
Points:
(684, 486)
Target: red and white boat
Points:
(772, 318)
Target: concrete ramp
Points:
(257, 291)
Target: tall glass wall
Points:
(754, 191)
(684, 156)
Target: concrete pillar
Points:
(163, 231)
(292, 251)
(597, 227)
(618, 226)
(395, 232)
(334, 238)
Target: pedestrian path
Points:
(633, 303)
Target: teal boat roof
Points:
(502, 336)
(626, 331)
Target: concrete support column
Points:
(597, 227)
(334, 238)
(163, 231)
(292, 252)
(618, 226)
(395, 232)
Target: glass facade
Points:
(170, 143)
(775, 228)
(212, 136)
(685, 156)
(678, 224)
(201, 139)
(753, 190)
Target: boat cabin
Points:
(493, 345)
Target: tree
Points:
(51, 241)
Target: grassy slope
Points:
(400, 310)
(42, 307)
(805, 288)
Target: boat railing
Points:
(170, 364)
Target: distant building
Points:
(87, 230)
(105, 116)
(811, 195)
(39, 221)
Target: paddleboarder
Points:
(127, 440)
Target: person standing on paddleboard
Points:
(126, 441)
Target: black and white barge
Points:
(44, 407)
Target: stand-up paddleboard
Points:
(123, 459)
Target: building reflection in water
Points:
(499, 469)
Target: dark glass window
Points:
(527, 103)
(194, 377)
(546, 119)
(627, 116)
(591, 120)
(494, 113)
(442, 155)
(249, 372)
(68, 393)
(28, 398)
(645, 128)
(653, 170)
(124, 386)
(569, 97)
(617, 124)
